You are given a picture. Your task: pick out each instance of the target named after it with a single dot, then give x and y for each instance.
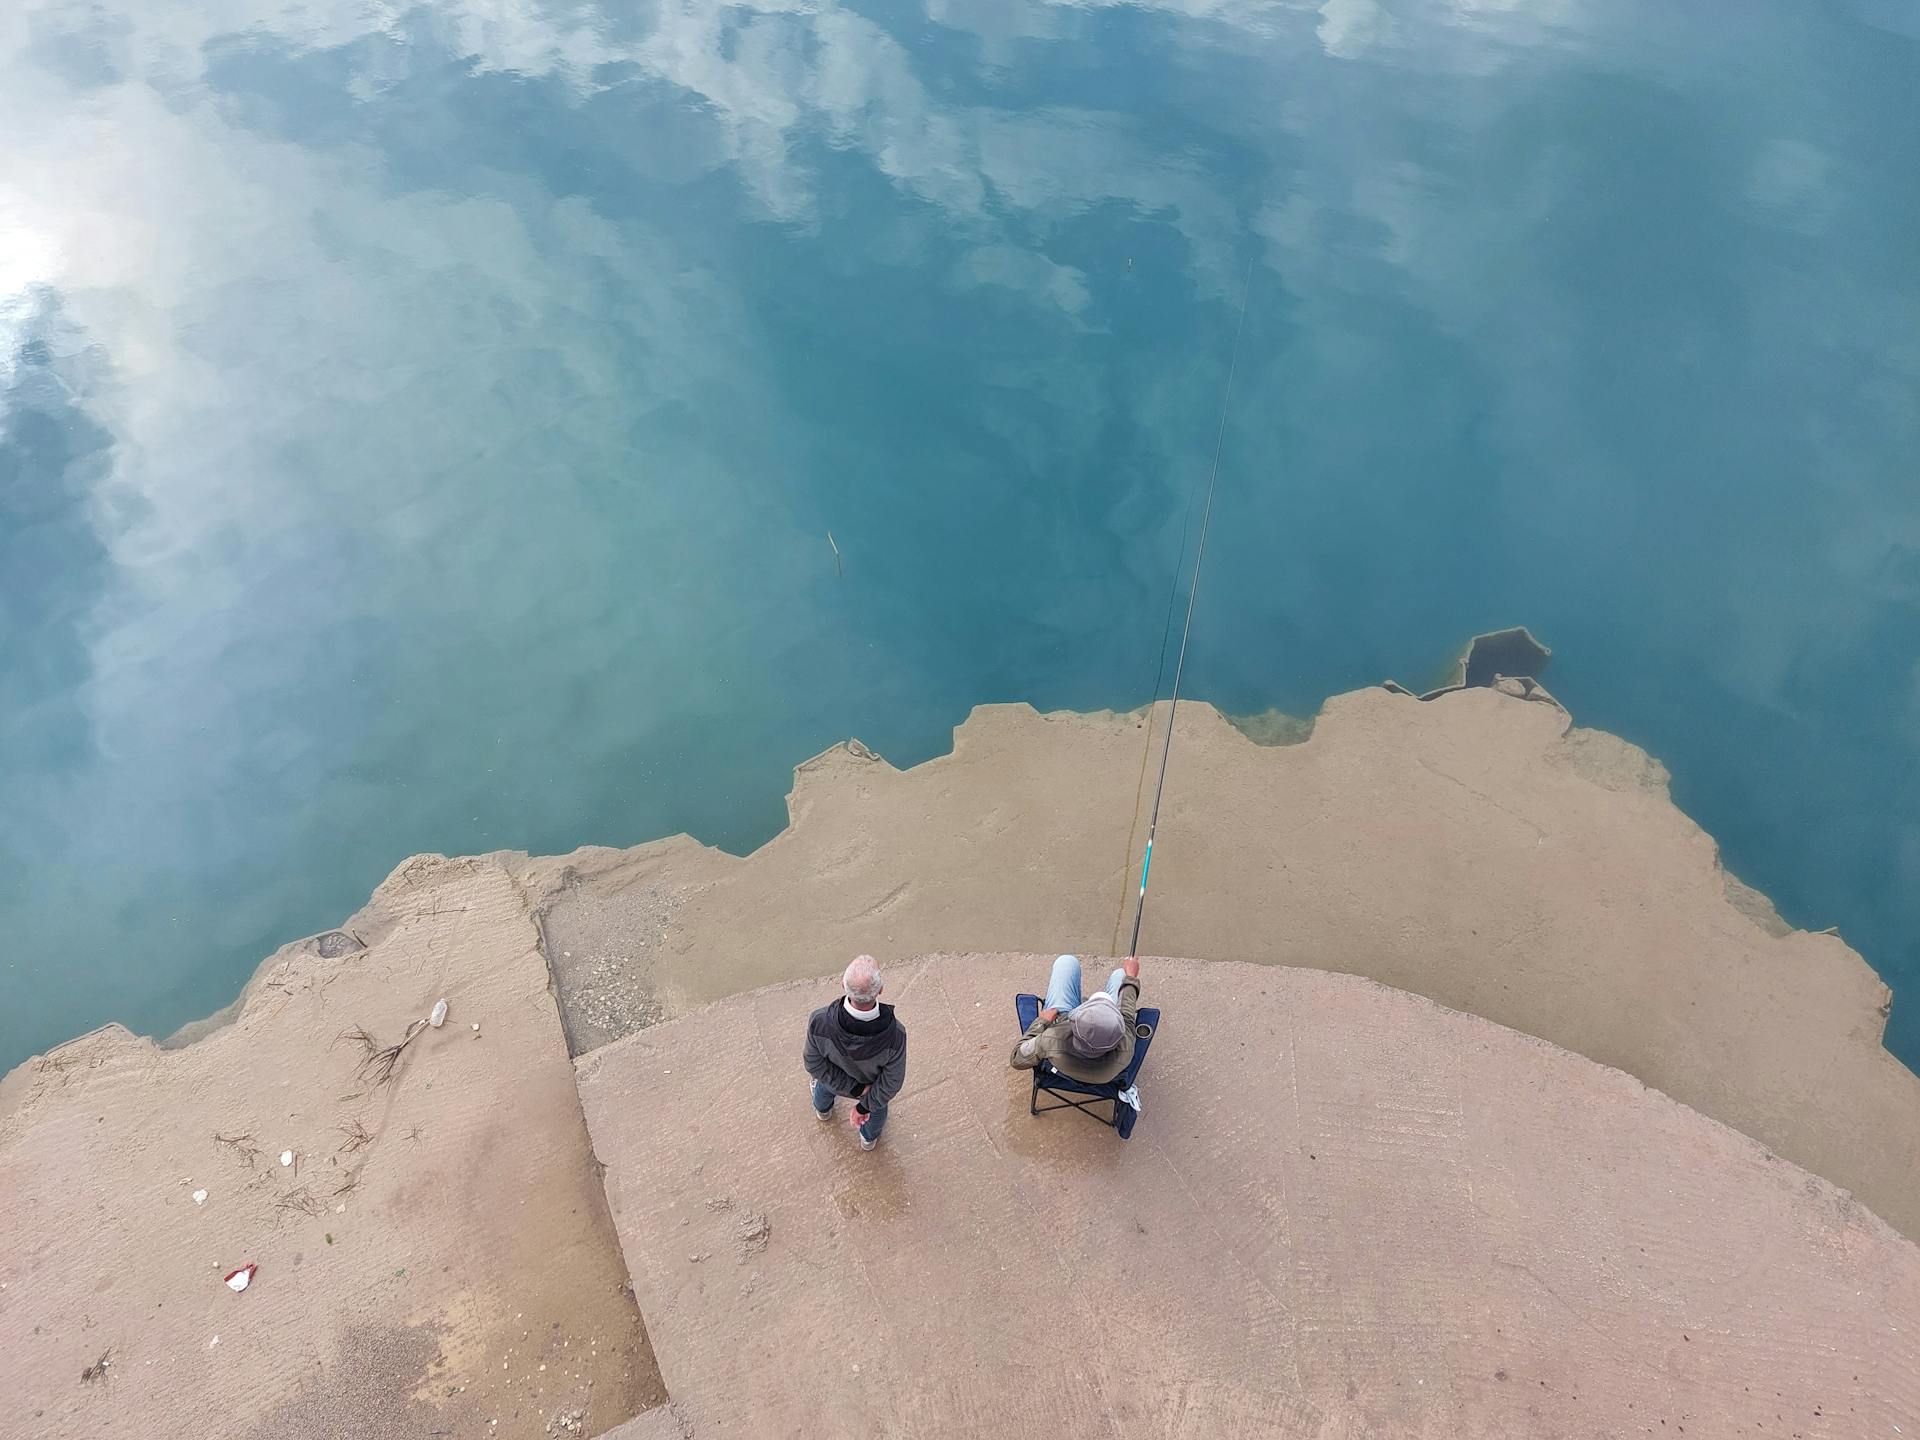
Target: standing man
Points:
(857, 1048)
(1091, 1040)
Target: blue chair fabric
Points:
(1066, 1090)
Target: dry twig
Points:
(357, 1138)
(382, 1063)
(244, 1150)
(378, 1062)
(300, 1202)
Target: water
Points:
(420, 427)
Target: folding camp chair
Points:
(1064, 1088)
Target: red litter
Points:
(241, 1278)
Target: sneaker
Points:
(821, 1115)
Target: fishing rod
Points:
(1186, 630)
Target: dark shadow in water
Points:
(1274, 727)
(1493, 656)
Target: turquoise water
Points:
(420, 428)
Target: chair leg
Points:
(1066, 1101)
(1033, 1101)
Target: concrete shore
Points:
(1478, 850)
(435, 1253)
(439, 1250)
(1344, 1212)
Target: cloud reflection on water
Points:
(387, 308)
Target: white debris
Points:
(286, 1157)
(241, 1278)
(213, 1342)
(199, 1197)
(439, 1016)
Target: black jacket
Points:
(844, 1061)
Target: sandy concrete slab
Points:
(1346, 1211)
(1473, 849)
(663, 1422)
(659, 1423)
(436, 1260)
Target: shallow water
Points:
(420, 428)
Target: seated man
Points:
(1090, 1040)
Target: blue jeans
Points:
(1063, 987)
(870, 1128)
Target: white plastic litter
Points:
(199, 1197)
(439, 1016)
(1132, 1096)
(241, 1278)
(286, 1157)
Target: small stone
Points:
(199, 1197)
(286, 1157)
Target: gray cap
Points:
(1095, 1028)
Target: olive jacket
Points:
(1047, 1040)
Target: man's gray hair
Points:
(862, 981)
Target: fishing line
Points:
(1159, 675)
(1186, 630)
